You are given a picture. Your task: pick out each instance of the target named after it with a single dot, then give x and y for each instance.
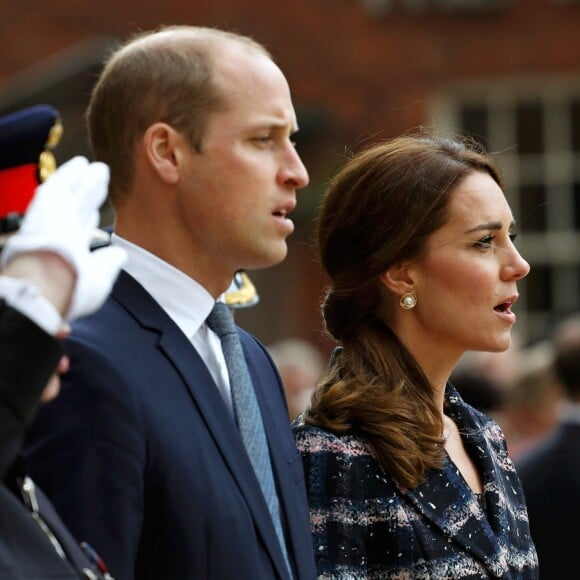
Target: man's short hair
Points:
(157, 76)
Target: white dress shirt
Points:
(185, 301)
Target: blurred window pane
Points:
(473, 121)
(532, 215)
(576, 205)
(529, 127)
(575, 125)
(538, 285)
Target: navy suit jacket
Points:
(142, 458)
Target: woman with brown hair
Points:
(404, 479)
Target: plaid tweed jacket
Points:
(367, 526)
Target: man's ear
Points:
(399, 278)
(161, 142)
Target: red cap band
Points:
(17, 185)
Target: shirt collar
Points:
(186, 301)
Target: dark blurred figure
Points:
(550, 473)
(478, 391)
(529, 414)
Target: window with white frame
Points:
(534, 125)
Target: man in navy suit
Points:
(141, 453)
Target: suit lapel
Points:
(483, 441)
(197, 379)
(464, 522)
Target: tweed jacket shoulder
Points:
(366, 526)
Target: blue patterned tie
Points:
(247, 412)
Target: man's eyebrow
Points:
(490, 226)
(292, 128)
(277, 125)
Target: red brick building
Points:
(507, 71)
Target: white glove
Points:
(61, 218)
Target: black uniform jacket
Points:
(28, 357)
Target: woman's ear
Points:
(399, 278)
(161, 143)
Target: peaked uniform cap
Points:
(26, 138)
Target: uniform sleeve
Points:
(28, 300)
(28, 357)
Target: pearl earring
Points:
(408, 301)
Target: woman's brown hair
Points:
(379, 210)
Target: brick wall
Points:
(352, 76)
